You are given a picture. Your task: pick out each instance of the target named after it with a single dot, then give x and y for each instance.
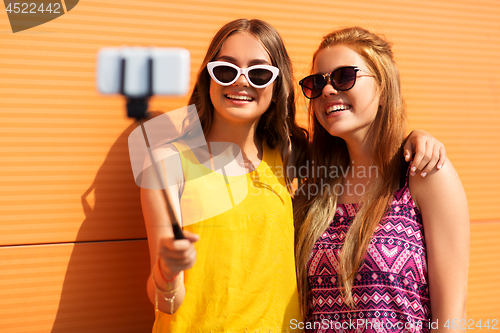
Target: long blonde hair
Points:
(314, 215)
(277, 126)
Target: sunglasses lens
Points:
(344, 78)
(225, 74)
(260, 76)
(313, 85)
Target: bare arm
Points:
(442, 201)
(169, 257)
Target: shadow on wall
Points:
(104, 288)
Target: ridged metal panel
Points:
(87, 287)
(483, 291)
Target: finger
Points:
(432, 162)
(190, 252)
(408, 149)
(176, 244)
(191, 236)
(417, 159)
(189, 260)
(178, 254)
(169, 255)
(186, 261)
(425, 160)
(429, 154)
(192, 261)
(175, 266)
(442, 157)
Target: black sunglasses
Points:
(342, 79)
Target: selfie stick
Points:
(137, 108)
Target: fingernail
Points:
(424, 174)
(439, 166)
(413, 173)
(407, 157)
(413, 169)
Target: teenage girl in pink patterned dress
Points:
(377, 250)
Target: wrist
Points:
(167, 281)
(167, 289)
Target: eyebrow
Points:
(251, 63)
(341, 67)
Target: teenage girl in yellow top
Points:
(235, 271)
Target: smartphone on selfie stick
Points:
(139, 73)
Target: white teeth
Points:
(337, 107)
(240, 97)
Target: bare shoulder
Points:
(440, 193)
(167, 163)
(435, 183)
(169, 155)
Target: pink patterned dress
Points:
(390, 290)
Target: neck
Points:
(360, 151)
(244, 135)
(360, 170)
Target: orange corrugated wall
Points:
(73, 253)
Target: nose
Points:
(242, 81)
(328, 89)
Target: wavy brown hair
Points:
(277, 125)
(313, 216)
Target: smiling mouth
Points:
(337, 108)
(239, 97)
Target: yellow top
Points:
(244, 276)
